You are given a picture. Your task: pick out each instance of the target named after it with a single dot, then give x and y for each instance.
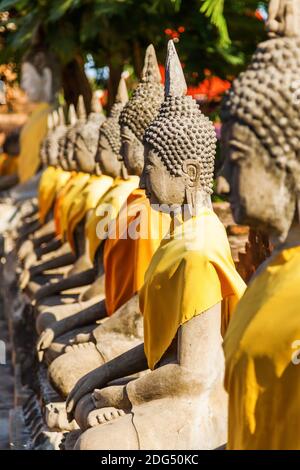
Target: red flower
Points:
(168, 32)
(162, 72)
(181, 29)
(258, 15)
(211, 88)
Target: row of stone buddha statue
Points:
(99, 325)
(131, 328)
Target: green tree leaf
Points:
(214, 10)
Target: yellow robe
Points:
(86, 201)
(8, 164)
(31, 138)
(52, 180)
(75, 185)
(261, 379)
(190, 272)
(126, 257)
(107, 209)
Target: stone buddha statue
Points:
(108, 163)
(52, 180)
(40, 79)
(86, 148)
(261, 118)
(139, 112)
(86, 143)
(122, 285)
(105, 146)
(190, 289)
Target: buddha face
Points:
(53, 144)
(160, 186)
(84, 155)
(132, 152)
(261, 193)
(107, 160)
(37, 87)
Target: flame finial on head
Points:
(72, 117)
(175, 82)
(50, 123)
(122, 93)
(61, 116)
(151, 72)
(55, 118)
(146, 99)
(81, 111)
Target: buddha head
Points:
(86, 143)
(139, 112)
(40, 72)
(108, 154)
(180, 146)
(72, 134)
(260, 138)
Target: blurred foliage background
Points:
(109, 36)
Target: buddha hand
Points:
(114, 396)
(44, 342)
(95, 379)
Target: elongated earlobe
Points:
(191, 169)
(124, 171)
(191, 200)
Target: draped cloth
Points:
(262, 380)
(191, 271)
(31, 137)
(107, 209)
(138, 231)
(51, 182)
(75, 185)
(86, 201)
(8, 164)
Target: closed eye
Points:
(238, 150)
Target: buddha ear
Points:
(124, 171)
(191, 169)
